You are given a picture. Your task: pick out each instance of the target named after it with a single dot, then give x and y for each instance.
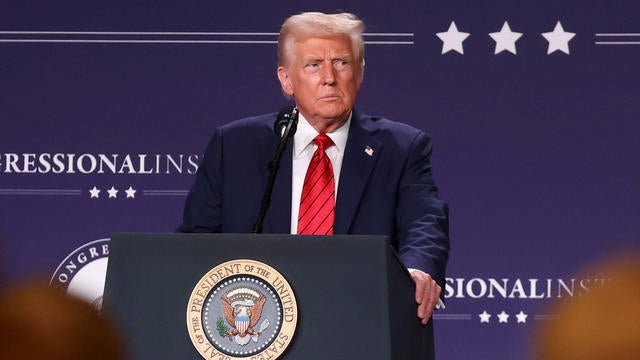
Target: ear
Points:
(285, 81)
(360, 74)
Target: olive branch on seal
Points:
(223, 329)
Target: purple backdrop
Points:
(534, 152)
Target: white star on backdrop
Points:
(522, 317)
(131, 192)
(505, 39)
(503, 317)
(452, 39)
(484, 317)
(113, 193)
(95, 192)
(558, 39)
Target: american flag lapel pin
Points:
(368, 150)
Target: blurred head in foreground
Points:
(602, 324)
(37, 322)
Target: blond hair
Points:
(321, 24)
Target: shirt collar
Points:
(305, 134)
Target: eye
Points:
(312, 67)
(341, 64)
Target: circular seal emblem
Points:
(242, 309)
(82, 273)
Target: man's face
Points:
(323, 76)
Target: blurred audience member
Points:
(37, 322)
(602, 324)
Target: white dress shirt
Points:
(303, 149)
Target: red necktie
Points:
(317, 203)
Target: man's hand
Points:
(427, 294)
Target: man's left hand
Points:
(427, 294)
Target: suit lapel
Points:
(360, 156)
(278, 218)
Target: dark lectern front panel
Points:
(342, 285)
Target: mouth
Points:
(329, 98)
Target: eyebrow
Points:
(344, 56)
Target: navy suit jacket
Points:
(387, 192)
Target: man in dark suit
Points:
(378, 172)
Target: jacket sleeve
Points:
(203, 207)
(422, 219)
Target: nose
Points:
(328, 74)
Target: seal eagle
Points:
(242, 316)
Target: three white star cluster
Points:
(94, 192)
(503, 317)
(505, 39)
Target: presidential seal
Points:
(242, 309)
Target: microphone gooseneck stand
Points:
(274, 165)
